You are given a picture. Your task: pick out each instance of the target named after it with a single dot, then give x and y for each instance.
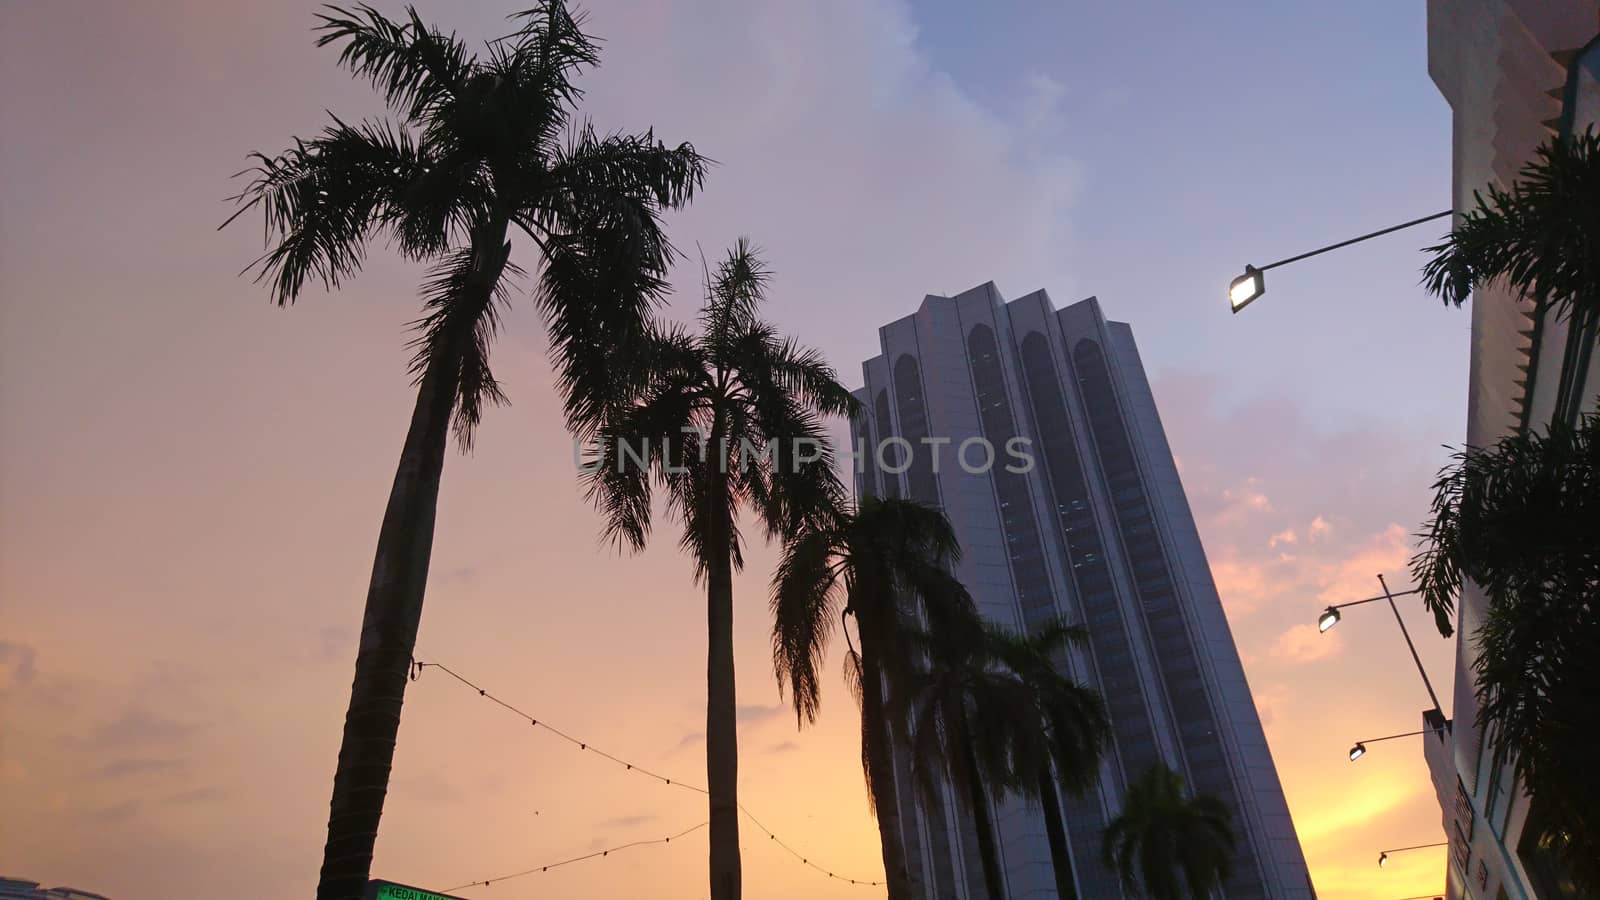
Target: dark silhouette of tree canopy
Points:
(1522, 520)
(699, 429)
(886, 559)
(476, 145)
(1166, 844)
(1541, 237)
(1076, 730)
(987, 709)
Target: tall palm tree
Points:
(476, 145)
(1075, 730)
(727, 419)
(987, 710)
(1169, 844)
(1522, 520)
(886, 559)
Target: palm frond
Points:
(1541, 237)
(321, 200)
(734, 295)
(806, 597)
(412, 65)
(463, 296)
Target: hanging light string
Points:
(567, 862)
(581, 745)
(585, 746)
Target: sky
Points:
(191, 479)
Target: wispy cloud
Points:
(133, 766)
(16, 665)
(755, 715)
(1304, 644)
(627, 821)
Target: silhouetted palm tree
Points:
(985, 710)
(1522, 520)
(1170, 845)
(700, 429)
(1074, 730)
(1541, 237)
(476, 146)
(880, 562)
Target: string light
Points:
(485, 882)
(585, 746)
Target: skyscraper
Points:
(1097, 531)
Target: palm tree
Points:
(988, 711)
(475, 146)
(1075, 730)
(728, 419)
(1522, 520)
(1172, 845)
(1541, 237)
(886, 559)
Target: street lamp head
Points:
(1382, 858)
(1356, 752)
(1328, 619)
(1246, 287)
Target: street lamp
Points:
(1360, 749)
(1246, 287)
(1330, 617)
(1253, 283)
(1383, 857)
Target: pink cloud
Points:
(1319, 528)
(1304, 644)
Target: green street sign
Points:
(378, 889)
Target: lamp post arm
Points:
(1375, 599)
(1394, 736)
(1417, 847)
(1355, 240)
(1418, 659)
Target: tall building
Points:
(1516, 74)
(1097, 532)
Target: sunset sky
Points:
(191, 479)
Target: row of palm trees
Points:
(722, 420)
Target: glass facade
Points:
(1174, 651)
(923, 487)
(1097, 598)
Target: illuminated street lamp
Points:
(1246, 287)
(1330, 617)
(1360, 749)
(1253, 283)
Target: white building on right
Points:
(1516, 73)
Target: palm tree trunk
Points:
(394, 598)
(880, 768)
(388, 636)
(1056, 833)
(981, 823)
(722, 730)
